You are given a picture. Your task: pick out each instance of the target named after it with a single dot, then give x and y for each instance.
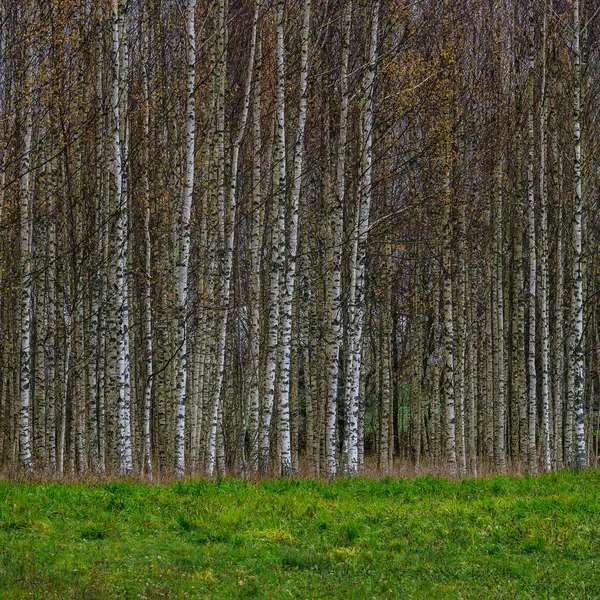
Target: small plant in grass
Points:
(185, 524)
(348, 533)
(93, 532)
(303, 559)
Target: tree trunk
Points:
(361, 228)
(290, 274)
(576, 337)
(25, 261)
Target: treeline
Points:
(294, 237)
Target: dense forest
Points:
(298, 237)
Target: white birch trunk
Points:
(334, 282)
(558, 334)
(357, 291)
(184, 256)
(125, 457)
(576, 338)
(277, 242)
(500, 453)
(94, 336)
(461, 371)
(384, 447)
(531, 361)
(472, 403)
(434, 427)
(544, 292)
(25, 261)
(290, 275)
(448, 333)
(66, 374)
(146, 439)
(50, 356)
(256, 243)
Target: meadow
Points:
(502, 537)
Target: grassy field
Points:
(422, 538)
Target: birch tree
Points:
(290, 273)
(576, 336)
(531, 237)
(277, 242)
(360, 235)
(184, 258)
(25, 453)
(334, 282)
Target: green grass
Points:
(424, 538)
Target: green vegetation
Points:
(425, 538)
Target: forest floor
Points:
(503, 537)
